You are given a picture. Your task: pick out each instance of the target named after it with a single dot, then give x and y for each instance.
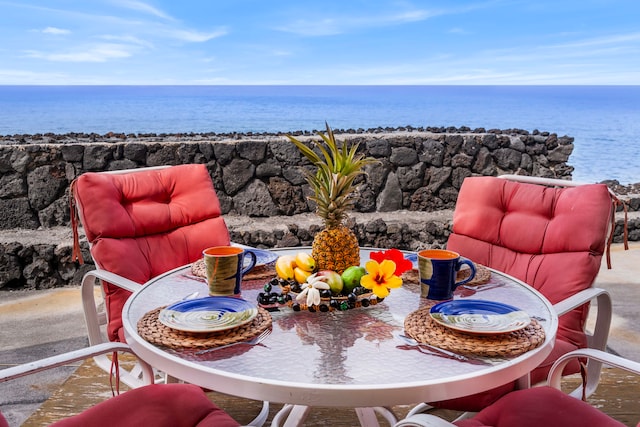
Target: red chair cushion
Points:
(551, 238)
(143, 224)
(539, 406)
(157, 405)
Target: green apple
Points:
(351, 277)
(333, 279)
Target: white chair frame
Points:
(96, 319)
(554, 380)
(597, 339)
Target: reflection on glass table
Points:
(353, 358)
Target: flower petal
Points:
(368, 281)
(302, 294)
(372, 267)
(394, 282)
(381, 291)
(313, 297)
(387, 268)
(377, 256)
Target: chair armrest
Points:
(603, 318)
(555, 374)
(423, 420)
(596, 340)
(69, 357)
(114, 279)
(93, 318)
(580, 298)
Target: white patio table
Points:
(353, 358)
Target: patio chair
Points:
(539, 406)
(140, 223)
(158, 405)
(551, 234)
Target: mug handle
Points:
(252, 263)
(461, 262)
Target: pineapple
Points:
(336, 246)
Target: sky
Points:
(329, 42)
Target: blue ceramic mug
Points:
(438, 269)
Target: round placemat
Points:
(259, 272)
(420, 326)
(483, 275)
(150, 328)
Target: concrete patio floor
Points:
(38, 324)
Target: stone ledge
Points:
(235, 223)
(41, 259)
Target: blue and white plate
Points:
(209, 314)
(263, 257)
(479, 317)
(413, 257)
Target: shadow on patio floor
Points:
(617, 395)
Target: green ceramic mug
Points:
(225, 267)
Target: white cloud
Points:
(344, 23)
(196, 36)
(615, 40)
(102, 52)
(334, 26)
(127, 39)
(56, 31)
(143, 7)
(457, 30)
(324, 27)
(8, 76)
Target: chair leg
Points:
(419, 409)
(262, 416)
(290, 415)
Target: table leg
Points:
(523, 382)
(295, 415)
(367, 417)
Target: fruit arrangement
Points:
(335, 247)
(303, 287)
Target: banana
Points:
(285, 265)
(300, 274)
(305, 262)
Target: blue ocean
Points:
(604, 120)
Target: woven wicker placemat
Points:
(420, 326)
(483, 275)
(150, 328)
(260, 272)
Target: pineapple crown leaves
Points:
(338, 166)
